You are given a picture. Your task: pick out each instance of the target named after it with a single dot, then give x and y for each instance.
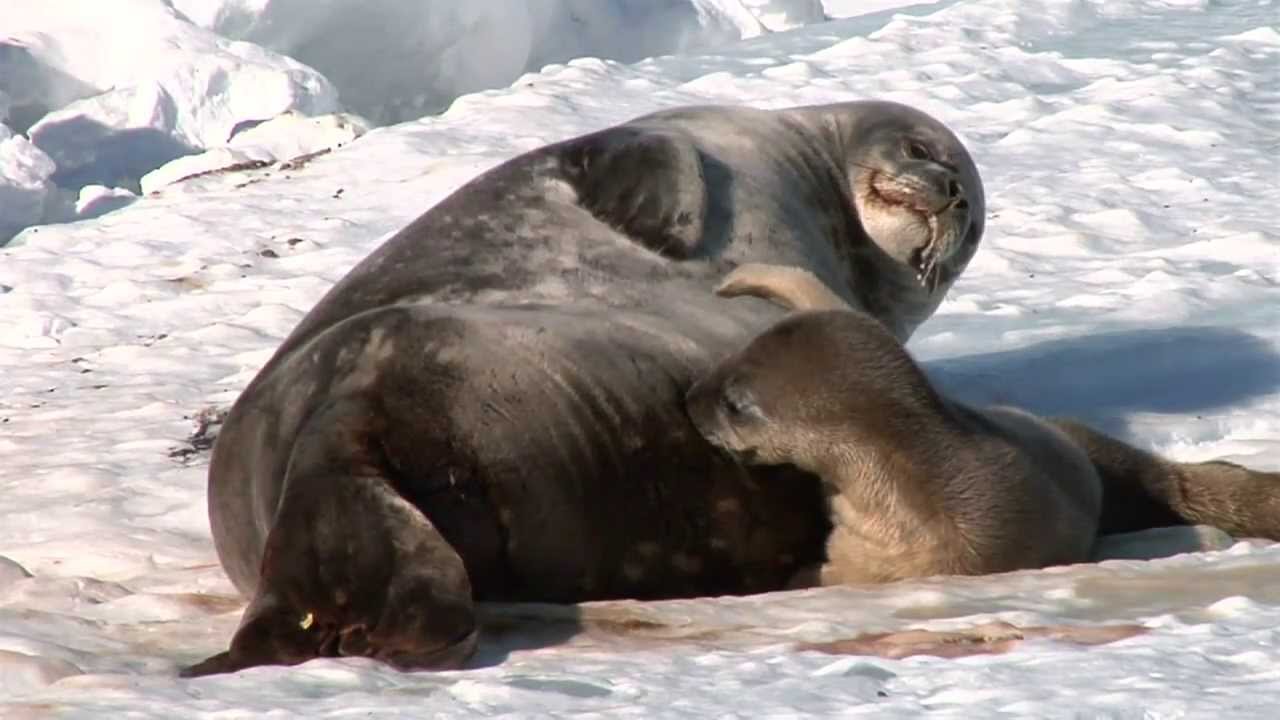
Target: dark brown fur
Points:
(490, 406)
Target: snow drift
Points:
(110, 92)
(395, 60)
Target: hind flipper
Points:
(350, 567)
(1142, 490)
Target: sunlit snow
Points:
(1130, 276)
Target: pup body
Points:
(916, 484)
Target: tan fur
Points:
(921, 485)
(788, 286)
(916, 485)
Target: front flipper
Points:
(794, 288)
(350, 567)
(647, 184)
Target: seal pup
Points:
(916, 484)
(490, 405)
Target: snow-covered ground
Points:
(1130, 276)
(395, 60)
(101, 94)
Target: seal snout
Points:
(717, 407)
(927, 188)
(936, 193)
(955, 191)
(699, 405)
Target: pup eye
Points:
(735, 406)
(739, 404)
(917, 151)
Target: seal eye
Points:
(738, 404)
(917, 151)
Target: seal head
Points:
(917, 194)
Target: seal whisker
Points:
(878, 169)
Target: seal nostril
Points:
(960, 204)
(954, 189)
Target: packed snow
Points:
(394, 60)
(171, 87)
(1129, 277)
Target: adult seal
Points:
(490, 406)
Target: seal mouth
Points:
(731, 447)
(893, 190)
(722, 437)
(907, 196)
(738, 456)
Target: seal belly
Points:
(551, 449)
